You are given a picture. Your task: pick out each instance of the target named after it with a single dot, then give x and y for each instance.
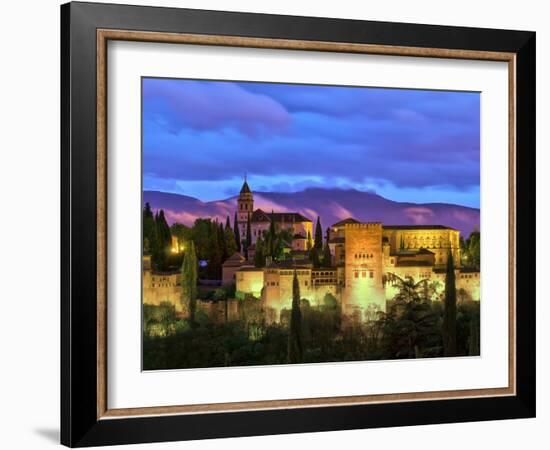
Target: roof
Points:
(290, 217)
(290, 264)
(345, 221)
(469, 270)
(235, 260)
(425, 251)
(245, 189)
(420, 251)
(165, 273)
(250, 269)
(416, 227)
(409, 263)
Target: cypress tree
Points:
(222, 243)
(272, 235)
(259, 256)
(236, 234)
(189, 268)
(149, 235)
(163, 241)
(295, 329)
(314, 257)
(215, 262)
(229, 238)
(449, 313)
(248, 241)
(318, 235)
(327, 257)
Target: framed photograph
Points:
(276, 224)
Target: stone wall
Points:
(363, 268)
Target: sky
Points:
(200, 138)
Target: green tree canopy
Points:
(189, 281)
(318, 235)
(449, 311)
(295, 329)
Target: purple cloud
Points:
(292, 136)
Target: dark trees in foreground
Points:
(295, 328)
(449, 310)
(412, 327)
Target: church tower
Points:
(245, 207)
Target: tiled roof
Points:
(469, 270)
(235, 260)
(416, 227)
(418, 263)
(288, 217)
(250, 269)
(420, 251)
(345, 221)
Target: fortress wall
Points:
(249, 282)
(363, 267)
(436, 240)
(156, 296)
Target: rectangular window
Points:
(364, 274)
(371, 274)
(356, 274)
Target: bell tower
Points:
(245, 207)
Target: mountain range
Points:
(331, 205)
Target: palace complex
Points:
(366, 261)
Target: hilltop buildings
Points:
(366, 258)
(366, 261)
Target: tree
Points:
(271, 235)
(327, 257)
(248, 241)
(202, 235)
(229, 237)
(181, 232)
(236, 233)
(314, 258)
(189, 282)
(259, 255)
(470, 250)
(449, 312)
(318, 235)
(410, 326)
(149, 232)
(163, 241)
(222, 243)
(216, 252)
(295, 329)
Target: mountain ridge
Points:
(331, 205)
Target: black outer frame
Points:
(79, 423)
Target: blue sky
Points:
(200, 137)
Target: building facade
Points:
(299, 226)
(367, 261)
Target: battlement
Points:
(365, 225)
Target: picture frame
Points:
(86, 418)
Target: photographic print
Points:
(298, 224)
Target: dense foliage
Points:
(412, 327)
(470, 250)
